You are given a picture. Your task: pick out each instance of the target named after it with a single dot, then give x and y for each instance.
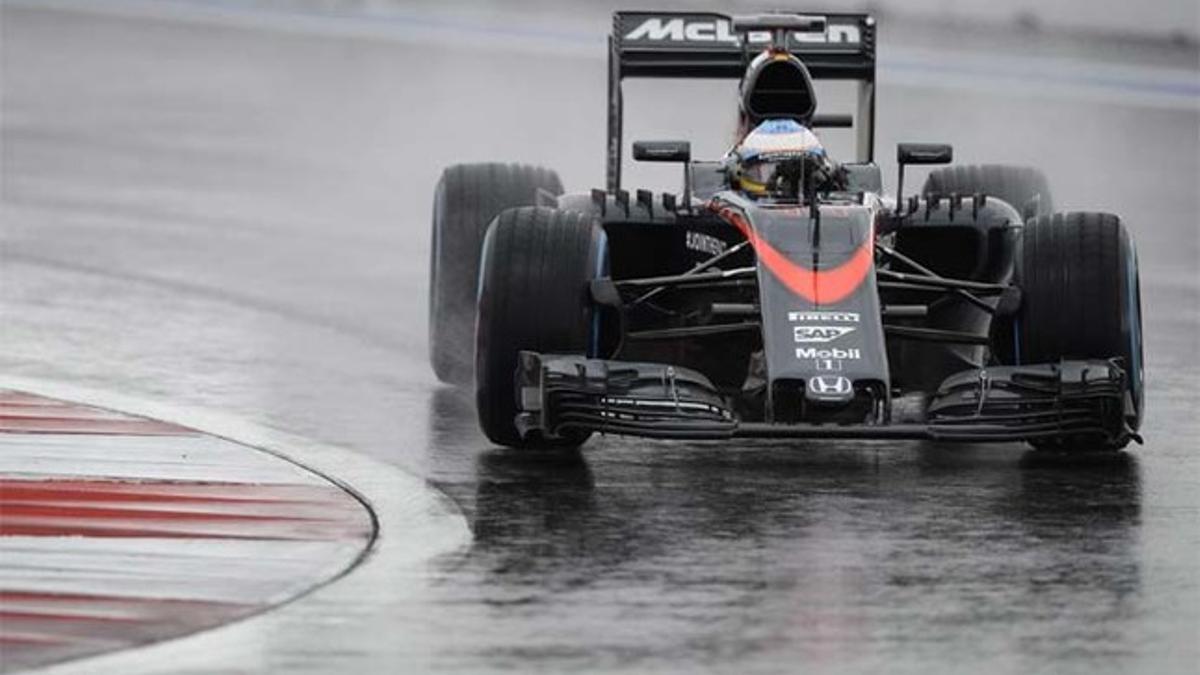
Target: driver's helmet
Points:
(764, 149)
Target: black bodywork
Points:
(836, 315)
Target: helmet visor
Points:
(756, 174)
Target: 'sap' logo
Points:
(820, 333)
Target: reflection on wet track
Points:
(777, 553)
(236, 218)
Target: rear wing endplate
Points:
(704, 45)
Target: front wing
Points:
(1070, 399)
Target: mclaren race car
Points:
(782, 293)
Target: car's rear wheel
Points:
(533, 295)
(467, 198)
(1023, 187)
(1078, 276)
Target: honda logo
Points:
(830, 385)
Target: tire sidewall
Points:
(1131, 327)
(435, 263)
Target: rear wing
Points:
(704, 45)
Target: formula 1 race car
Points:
(782, 294)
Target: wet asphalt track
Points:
(238, 219)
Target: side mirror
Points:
(662, 151)
(924, 153)
(669, 151)
(919, 153)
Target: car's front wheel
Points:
(533, 295)
(1078, 275)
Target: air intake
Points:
(778, 87)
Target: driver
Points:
(783, 159)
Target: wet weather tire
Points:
(533, 295)
(1081, 299)
(467, 199)
(1023, 187)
